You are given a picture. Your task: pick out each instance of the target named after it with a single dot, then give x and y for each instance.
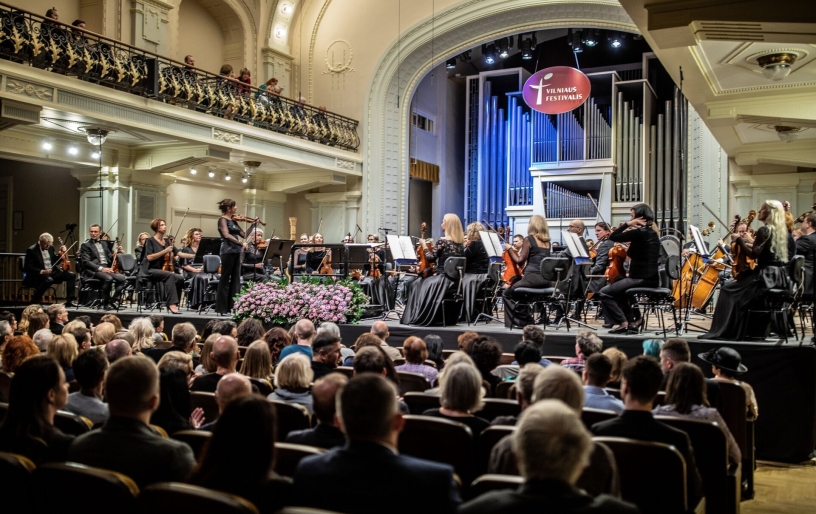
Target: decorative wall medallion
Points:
(227, 137)
(338, 62)
(42, 93)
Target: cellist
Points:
(534, 249)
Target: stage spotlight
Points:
(211, 174)
(47, 145)
(591, 39)
(73, 150)
(527, 46)
(615, 41)
(451, 63)
(465, 56)
(574, 39)
(94, 155)
(489, 52)
(193, 171)
(504, 47)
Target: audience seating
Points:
(291, 417)
(495, 407)
(346, 370)
(265, 387)
(399, 361)
(420, 402)
(71, 423)
(447, 353)
(506, 389)
(242, 351)
(486, 483)
(735, 414)
(601, 476)
(288, 455)
(487, 440)
(412, 382)
(506, 359)
(488, 389)
(5, 386)
(439, 440)
(660, 399)
(721, 481)
(163, 345)
(207, 402)
(614, 392)
(3, 410)
(16, 471)
(591, 416)
(555, 359)
(652, 475)
(304, 510)
(195, 439)
(57, 483)
(173, 498)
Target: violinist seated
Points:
(97, 263)
(534, 249)
(42, 270)
(601, 251)
(318, 257)
(376, 261)
(252, 267)
(156, 250)
(300, 256)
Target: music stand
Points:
(278, 249)
(207, 246)
(702, 251)
(576, 245)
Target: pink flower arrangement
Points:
(283, 304)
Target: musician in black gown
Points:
(475, 270)
(192, 272)
(643, 253)
(534, 249)
(299, 256)
(424, 305)
(315, 258)
(155, 250)
(253, 267)
(230, 253)
(772, 248)
(601, 249)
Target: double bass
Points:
(424, 268)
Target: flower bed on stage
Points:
(280, 303)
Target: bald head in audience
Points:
(116, 349)
(231, 387)
(305, 332)
(225, 354)
(380, 329)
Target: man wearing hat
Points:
(726, 364)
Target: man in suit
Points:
(370, 419)
(57, 318)
(806, 245)
(229, 389)
(675, 351)
(42, 271)
(326, 434)
(639, 387)
(553, 448)
(126, 443)
(97, 262)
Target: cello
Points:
(512, 270)
(115, 267)
(742, 262)
(424, 267)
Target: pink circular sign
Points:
(556, 90)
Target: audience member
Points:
(125, 336)
(17, 351)
(226, 465)
(208, 328)
(673, 352)
(333, 329)
(524, 391)
(586, 343)
(9, 318)
(367, 339)
(183, 338)
(249, 331)
(37, 321)
(277, 339)
(651, 348)
(232, 387)
(464, 340)
(726, 364)
(126, 443)
(302, 342)
(85, 320)
(206, 363)
(257, 362)
(380, 329)
(434, 345)
(117, 349)
(641, 382)
(181, 361)
(686, 398)
(226, 328)
(38, 390)
(327, 433)
(292, 378)
(415, 355)
(142, 330)
(157, 320)
(25, 317)
(370, 419)
(618, 359)
(63, 349)
(534, 335)
(596, 376)
(225, 355)
(462, 395)
(6, 333)
(175, 411)
(553, 449)
(526, 353)
(89, 370)
(456, 358)
(81, 335)
(326, 350)
(113, 319)
(42, 338)
(103, 333)
(57, 317)
(486, 354)
(373, 359)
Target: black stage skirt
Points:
(198, 288)
(472, 285)
(424, 306)
(736, 298)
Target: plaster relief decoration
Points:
(24, 88)
(227, 137)
(344, 165)
(338, 62)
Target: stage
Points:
(782, 375)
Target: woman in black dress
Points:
(534, 249)
(191, 271)
(299, 257)
(252, 266)
(155, 250)
(315, 257)
(230, 253)
(475, 270)
(772, 247)
(424, 305)
(643, 252)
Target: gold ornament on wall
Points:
(338, 62)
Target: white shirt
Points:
(101, 252)
(46, 258)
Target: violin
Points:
(325, 266)
(424, 267)
(64, 263)
(615, 269)
(708, 230)
(115, 267)
(246, 219)
(168, 257)
(742, 262)
(374, 262)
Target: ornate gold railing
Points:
(30, 39)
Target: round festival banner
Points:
(556, 90)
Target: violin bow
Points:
(180, 225)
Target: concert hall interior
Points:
(562, 178)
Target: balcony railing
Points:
(30, 39)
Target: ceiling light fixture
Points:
(776, 66)
(47, 145)
(96, 136)
(227, 177)
(73, 150)
(591, 38)
(575, 41)
(616, 43)
(504, 44)
(451, 63)
(94, 155)
(787, 134)
(527, 46)
(193, 171)
(489, 53)
(251, 167)
(244, 179)
(211, 174)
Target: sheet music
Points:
(492, 244)
(702, 249)
(576, 245)
(401, 247)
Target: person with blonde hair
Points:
(103, 334)
(192, 271)
(205, 363)
(142, 330)
(64, 350)
(772, 247)
(462, 395)
(424, 306)
(257, 361)
(180, 361)
(22, 326)
(534, 249)
(292, 378)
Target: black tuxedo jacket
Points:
(341, 471)
(806, 245)
(34, 262)
(89, 256)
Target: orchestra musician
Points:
(315, 256)
(156, 249)
(230, 253)
(643, 253)
(475, 269)
(97, 263)
(601, 249)
(192, 271)
(252, 266)
(424, 305)
(806, 245)
(43, 271)
(576, 286)
(379, 253)
(139, 250)
(772, 247)
(300, 255)
(534, 248)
